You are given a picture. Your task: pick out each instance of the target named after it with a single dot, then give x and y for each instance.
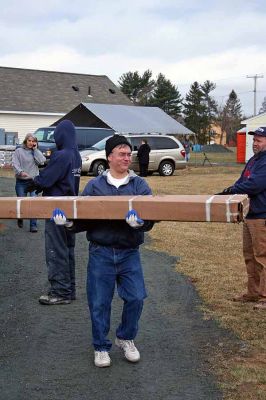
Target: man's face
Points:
(120, 158)
(259, 143)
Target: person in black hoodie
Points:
(60, 178)
(144, 158)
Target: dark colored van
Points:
(86, 137)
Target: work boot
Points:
(102, 359)
(50, 300)
(245, 298)
(20, 223)
(131, 353)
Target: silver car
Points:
(167, 154)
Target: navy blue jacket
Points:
(62, 174)
(253, 182)
(114, 233)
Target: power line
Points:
(223, 96)
(218, 79)
(238, 93)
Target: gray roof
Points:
(32, 90)
(136, 119)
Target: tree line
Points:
(198, 111)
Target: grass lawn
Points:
(211, 255)
(227, 157)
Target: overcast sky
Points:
(187, 41)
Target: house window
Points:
(89, 91)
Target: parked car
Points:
(167, 154)
(86, 137)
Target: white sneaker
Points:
(102, 359)
(130, 351)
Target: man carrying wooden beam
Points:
(114, 256)
(253, 182)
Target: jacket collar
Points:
(131, 174)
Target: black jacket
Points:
(143, 153)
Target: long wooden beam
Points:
(198, 208)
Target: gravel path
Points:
(45, 352)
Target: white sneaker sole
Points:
(102, 365)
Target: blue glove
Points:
(133, 219)
(59, 218)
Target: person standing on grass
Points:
(114, 256)
(60, 178)
(143, 157)
(25, 162)
(253, 182)
(187, 146)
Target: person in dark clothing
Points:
(60, 178)
(253, 182)
(114, 257)
(144, 157)
(187, 146)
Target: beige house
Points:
(251, 124)
(33, 98)
(220, 137)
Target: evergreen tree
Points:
(166, 96)
(230, 117)
(138, 88)
(263, 106)
(211, 108)
(194, 110)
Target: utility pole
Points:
(255, 77)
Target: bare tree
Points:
(263, 106)
(230, 117)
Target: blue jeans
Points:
(60, 260)
(108, 266)
(21, 191)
